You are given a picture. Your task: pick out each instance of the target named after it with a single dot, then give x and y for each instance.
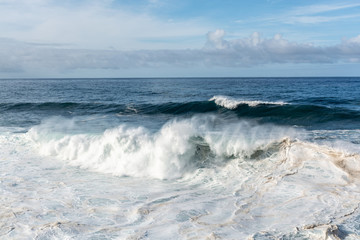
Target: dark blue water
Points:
(312, 103)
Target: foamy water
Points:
(180, 146)
(235, 182)
(171, 159)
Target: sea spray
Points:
(179, 146)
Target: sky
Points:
(173, 38)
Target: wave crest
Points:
(179, 147)
(231, 103)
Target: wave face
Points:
(289, 114)
(305, 115)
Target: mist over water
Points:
(180, 158)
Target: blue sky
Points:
(167, 38)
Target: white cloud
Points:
(355, 40)
(215, 39)
(218, 52)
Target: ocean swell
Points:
(262, 111)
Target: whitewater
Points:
(219, 158)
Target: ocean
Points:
(180, 158)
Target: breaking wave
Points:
(178, 148)
(231, 103)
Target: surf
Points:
(206, 158)
(179, 147)
(268, 174)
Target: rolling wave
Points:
(231, 103)
(263, 111)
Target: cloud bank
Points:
(254, 50)
(56, 38)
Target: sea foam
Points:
(179, 147)
(228, 175)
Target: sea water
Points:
(194, 158)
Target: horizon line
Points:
(99, 78)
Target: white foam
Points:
(232, 103)
(273, 186)
(168, 153)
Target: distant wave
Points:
(264, 111)
(104, 108)
(232, 103)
